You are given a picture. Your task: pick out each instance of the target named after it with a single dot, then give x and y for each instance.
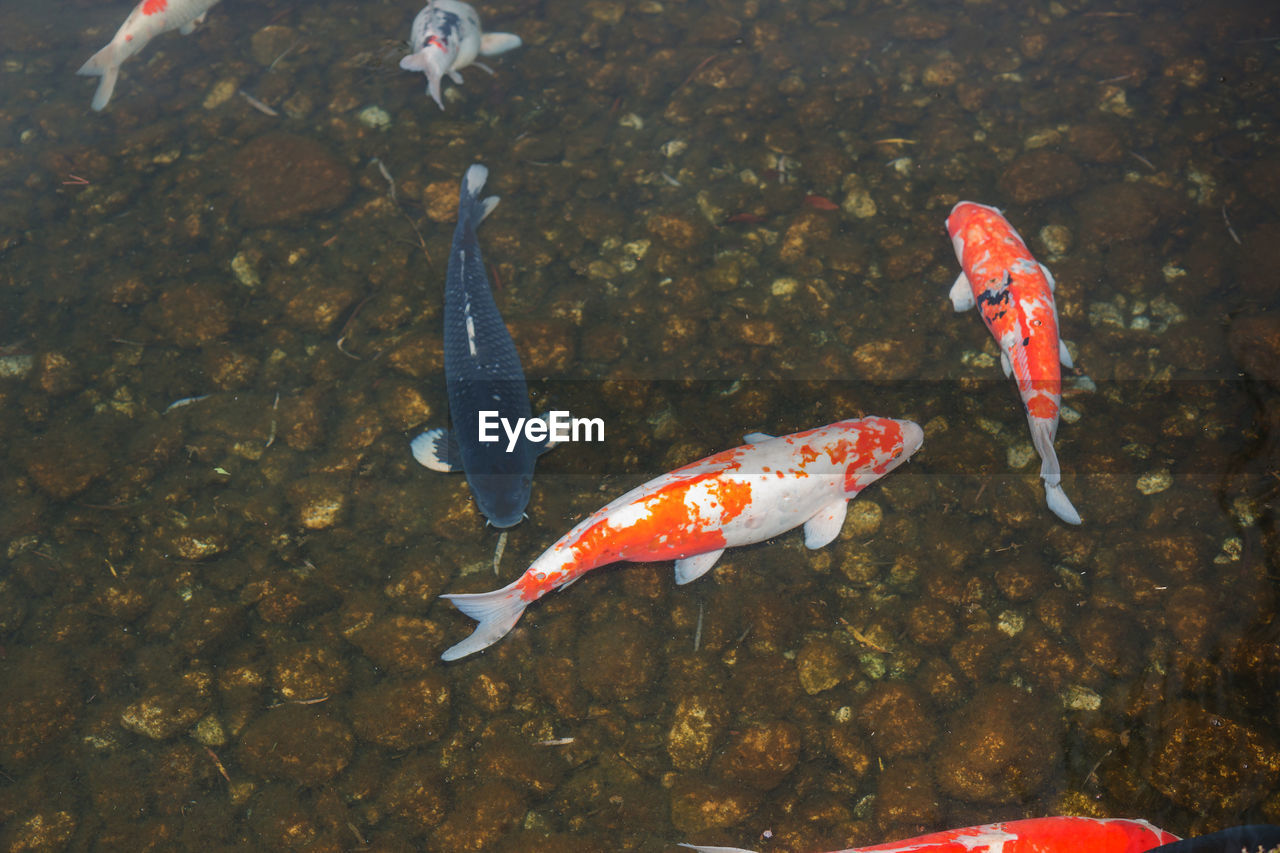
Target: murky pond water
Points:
(220, 623)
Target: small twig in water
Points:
(697, 631)
(1144, 161)
(258, 105)
(1230, 230)
(497, 551)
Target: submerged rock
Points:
(1212, 764)
(281, 176)
(1003, 748)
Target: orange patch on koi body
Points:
(1042, 407)
(154, 7)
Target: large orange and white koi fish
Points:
(1033, 835)
(1014, 294)
(738, 497)
(148, 19)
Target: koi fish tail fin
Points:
(1059, 504)
(1042, 430)
(103, 64)
(469, 199)
(496, 611)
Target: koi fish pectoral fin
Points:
(701, 849)
(962, 294)
(436, 449)
(493, 44)
(692, 568)
(1005, 365)
(823, 528)
(1063, 355)
(414, 62)
(550, 443)
(496, 611)
(190, 27)
(1048, 277)
(756, 437)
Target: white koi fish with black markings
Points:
(447, 38)
(148, 19)
(692, 514)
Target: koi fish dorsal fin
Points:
(692, 568)
(824, 527)
(961, 294)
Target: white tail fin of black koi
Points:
(496, 611)
(1042, 430)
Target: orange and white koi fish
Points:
(148, 19)
(1033, 835)
(738, 497)
(1014, 294)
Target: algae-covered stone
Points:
(282, 176)
(698, 805)
(296, 742)
(820, 666)
(402, 714)
(760, 756)
(1210, 763)
(1004, 746)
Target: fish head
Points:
(874, 446)
(895, 442)
(502, 498)
(966, 216)
(910, 438)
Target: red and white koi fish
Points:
(447, 38)
(1033, 835)
(1014, 294)
(148, 19)
(738, 497)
